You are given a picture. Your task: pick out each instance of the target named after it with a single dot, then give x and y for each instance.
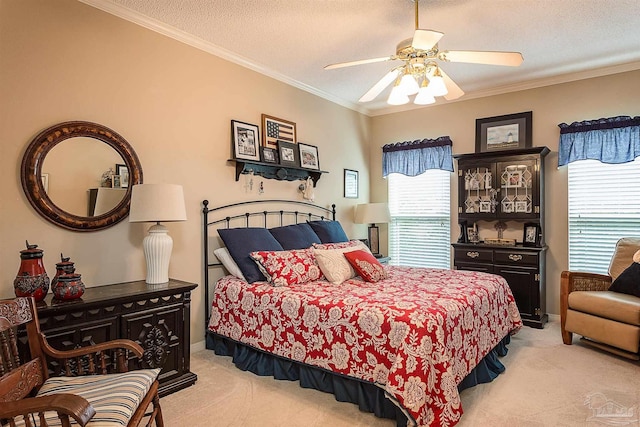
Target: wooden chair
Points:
(97, 389)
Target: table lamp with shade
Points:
(157, 203)
(372, 213)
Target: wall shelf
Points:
(273, 171)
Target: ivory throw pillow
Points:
(334, 265)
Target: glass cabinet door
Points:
(477, 190)
(517, 194)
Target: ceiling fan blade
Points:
(510, 59)
(380, 86)
(359, 62)
(454, 90)
(425, 39)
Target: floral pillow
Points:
(284, 268)
(350, 244)
(366, 265)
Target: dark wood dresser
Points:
(155, 316)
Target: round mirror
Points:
(79, 175)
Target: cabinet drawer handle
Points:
(473, 254)
(514, 257)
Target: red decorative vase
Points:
(63, 267)
(68, 287)
(32, 279)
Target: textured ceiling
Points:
(292, 40)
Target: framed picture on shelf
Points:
(275, 129)
(288, 154)
(245, 138)
(464, 238)
(508, 132)
(308, 156)
(350, 184)
(531, 234)
(123, 172)
(269, 155)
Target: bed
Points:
(401, 347)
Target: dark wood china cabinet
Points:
(501, 187)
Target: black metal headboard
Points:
(291, 210)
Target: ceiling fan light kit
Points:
(420, 73)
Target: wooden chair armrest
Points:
(92, 359)
(70, 405)
(123, 344)
(583, 281)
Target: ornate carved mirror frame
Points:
(31, 172)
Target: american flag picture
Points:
(274, 130)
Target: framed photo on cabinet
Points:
(245, 138)
(531, 234)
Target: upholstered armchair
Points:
(97, 389)
(606, 319)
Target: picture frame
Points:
(472, 234)
(308, 156)
(350, 184)
(531, 234)
(464, 237)
(275, 129)
(245, 138)
(123, 172)
(116, 181)
(269, 155)
(507, 132)
(288, 154)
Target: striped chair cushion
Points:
(115, 397)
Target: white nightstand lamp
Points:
(157, 203)
(372, 213)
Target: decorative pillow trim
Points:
(284, 268)
(366, 265)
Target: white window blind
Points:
(419, 232)
(604, 205)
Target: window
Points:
(604, 205)
(420, 230)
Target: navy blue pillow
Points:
(329, 231)
(297, 236)
(242, 241)
(628, 282)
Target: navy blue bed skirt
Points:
(366, 395)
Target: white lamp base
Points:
(157, 252)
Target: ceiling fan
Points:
(420, 74)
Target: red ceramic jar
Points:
(32, 279)
(68, 287)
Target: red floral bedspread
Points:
(417, 333)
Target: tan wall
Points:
(582, 100)
(63, 60)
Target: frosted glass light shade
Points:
(156, 203)
(424, 97)
(397, 96)
(409, 85)
(437, 86)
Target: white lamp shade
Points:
(157, 203)
(397, 96)
(371, 213)
(437, 86)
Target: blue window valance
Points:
(411, 158)
(610, 140)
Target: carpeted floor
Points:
(546, 384)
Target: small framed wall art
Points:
(350, 184)
(245, 138)
(308, 156)
(288, 154)
(508, 132)
(123, 173)
(275, 129)
(531, 234)
(269, 155)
